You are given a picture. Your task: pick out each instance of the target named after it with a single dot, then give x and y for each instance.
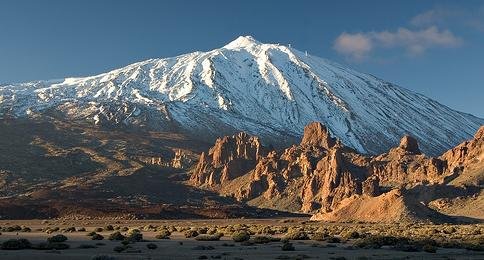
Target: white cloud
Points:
(357, 46)
(416, 42)
(354, 45)
(451, 16)
(435, 16)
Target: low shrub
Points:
(57, 239)
(26, 229)
(151, 246)
(449, 230)
(320, 236)
(134, 235)
(103, 257)
(163, 234)
(429, 248)
(108, 228)
(264, 239)
(240, 236)
(86, 246)
(333, 239)
(190, 233)
(97, 237)
(287, 247)
(377, 241)
(351, 235)
(119, 249)
(15, 244)
(116, 236)
(296, 235)
(205, 237)
(50, 246)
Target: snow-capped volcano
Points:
(269, 90)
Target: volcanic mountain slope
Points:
(57, 169)
(322, 176)
(268, 90)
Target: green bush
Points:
(151, 246)
(190, 233)
(287, 247)
(351, 235)
(205, 237)
(86, 246)
(333, 240)
(264, 239)
(134, 235)
(320, 236)
(163, 234)
(379, 241)
(449, 230)
(50, 246)
(296, 235)
(116, 236)
(15, 244)
(57, 239)
(26, 229)
(97, 237)
(429, 248)
(119, 249)
(109, 228)
(240, 236)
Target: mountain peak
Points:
(241, 42)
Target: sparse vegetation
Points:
(240, 236)
(117, 236)
(16, 244)
(163, 234)
(151, 246)
(296, 235)
(134, 235)
(190, 233)
(97, 237)
(287, 247)
(103, 257)
(205, 237)
(57, 239)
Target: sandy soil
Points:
(179, 247)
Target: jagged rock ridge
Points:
(324, 176)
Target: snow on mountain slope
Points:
(265, 89)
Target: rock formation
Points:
(322, 175)
(230, 157)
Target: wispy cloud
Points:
(357, 46)
(451, 16)
(436, 16)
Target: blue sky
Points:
(432, 47)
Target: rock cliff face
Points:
(229, 158)
(321, 173)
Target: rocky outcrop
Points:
(406, 165)
(465, 162)
(324, 176)
(466, 153)
(230, 157)
(316, 134)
